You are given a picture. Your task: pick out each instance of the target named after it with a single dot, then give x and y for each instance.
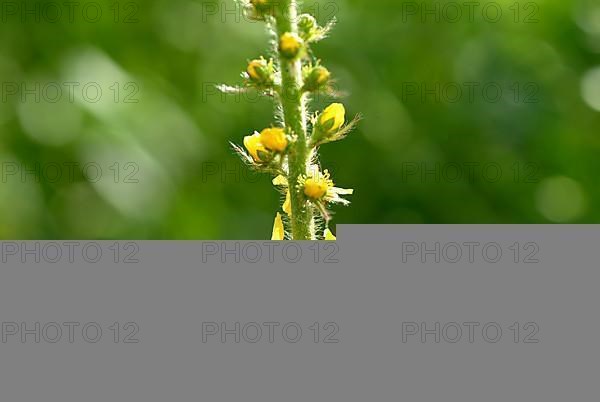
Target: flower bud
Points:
(307, 26)
(274, 139)
(331, 119)
(290, 45)
(260, 72)
(261, 5)
(316, 78)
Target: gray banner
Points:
(388, 313)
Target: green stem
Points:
(293, 103)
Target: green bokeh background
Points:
(169, 54)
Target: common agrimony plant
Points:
(288, 148)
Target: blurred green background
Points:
(477, 117)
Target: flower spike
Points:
(287, 150)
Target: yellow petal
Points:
(332, 117)
(280, 181)
(278, 232)
(287, 205)
(253, 145)
(342, 191)
(274, 139)
(329, 235)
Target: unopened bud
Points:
(262, 6)
(290, 45)
(307, 26)
(260, 72)
(316, 78)
(331, 119)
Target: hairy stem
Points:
(293, 103)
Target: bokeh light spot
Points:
(590, 88)
(561, 199)
(50, 122)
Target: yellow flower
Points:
(319, 186)
(253, 145)
(315, 187)
(290, 45)
(332, 118)
(278, 231)
(274, 139)
(329, 235)
(287, 204)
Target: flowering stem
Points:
(293, 103)
(289, 150)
